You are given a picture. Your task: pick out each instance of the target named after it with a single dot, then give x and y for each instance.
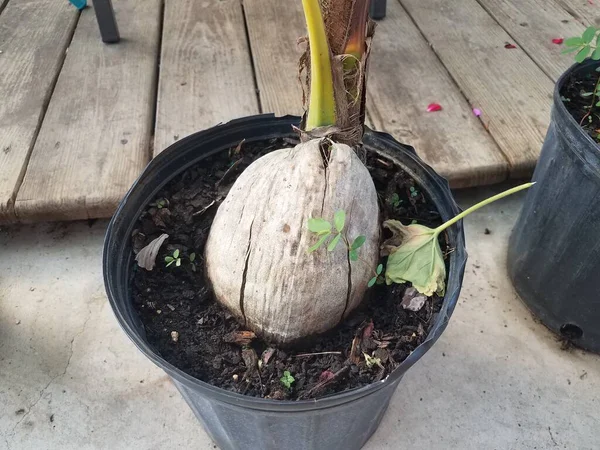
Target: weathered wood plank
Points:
(533, 24)
(585, 11)
(405, 76)
(274, 27)
(33, 38)
(513, 93)
(206, 70)
(95, 138)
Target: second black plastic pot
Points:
(554, 250)
(343, 421)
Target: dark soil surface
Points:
(577, 96)
(190, 330)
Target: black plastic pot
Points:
(342, 421)
(554, 250)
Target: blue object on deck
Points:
(79, 4)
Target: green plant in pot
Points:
(286, 288)
(552, 257)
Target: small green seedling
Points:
(192, 259)
(356, 244)
(376, 278)
(287, 379)
(394, 200)
(414, 251)
(160, 203)
(372, 361)
(413, 191)
(324, 230)
(174, 259)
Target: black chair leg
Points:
(105, 15)
(377, 10)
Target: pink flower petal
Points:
(509, 45)
(477, 112)
(557, 41)
(434, 107)
(591, 2)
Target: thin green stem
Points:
(346, 241)
(348, 246)
(321, 106)
(473, 208)
(368, 266)
(593, 102)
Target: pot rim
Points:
(455, 275)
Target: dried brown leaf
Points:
(381, 344)
(239, 337)
(321, 386)
(266, 355)
(368, 330)
(382, 354)
(355, 350)
(162, 217)
(236, 151)
(250, 360)
(146, 258)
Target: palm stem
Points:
(321, 107)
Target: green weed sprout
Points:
(325, 231)
(173, 259)
(287, 379)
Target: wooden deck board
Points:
(205, 72)
(513, 93)
(533, 24)
(585, 11)
(29, 64)
(274, 27)
(95, 137)
(405, 76)
(77, 157)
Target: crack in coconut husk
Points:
(245, 273)
(325, 154)
(349, 291)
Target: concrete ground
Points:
(71, 379)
